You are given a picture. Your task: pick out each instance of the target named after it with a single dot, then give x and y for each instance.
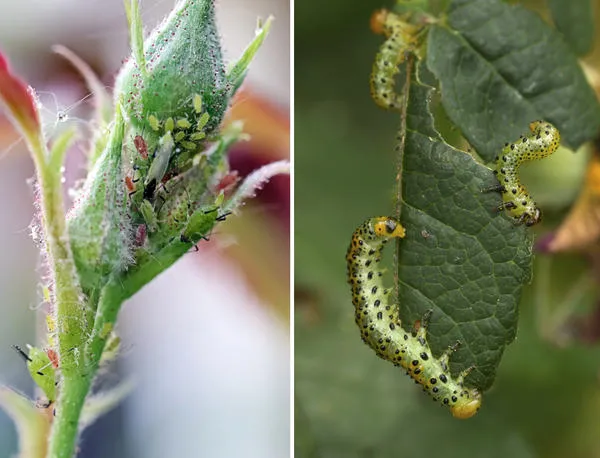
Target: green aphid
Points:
(189, 145)
(160, 163)
(183, 123)
(198, 136)
(197, 102)
(149, 216)
(111, 350)
(169, 125)
(201, 223)
(41, 370)
(154, 122)
(179, 136)
(203, 121)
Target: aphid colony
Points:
(167, 183)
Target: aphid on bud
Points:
(197, 102)
(141, 146)
(53, 357)
(160, 163)
(41, 369)
(129, 184)
(149, 216)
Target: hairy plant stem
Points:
(65, 429)
(69, 310)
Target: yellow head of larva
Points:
(377, 22)
(384, 226)
(468, 407)
(537, 127)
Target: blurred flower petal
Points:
(20, 100)
(31, 423)
(267, 125)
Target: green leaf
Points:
(136, 33)
(460, 258)
(237, 72)
(575, 20)
(31, 423)
(501, 67)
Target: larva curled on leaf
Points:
(401, 38)
(542, 142)
(381, 328)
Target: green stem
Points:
(65, 428)
(69, 308)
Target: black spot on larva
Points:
(435, 389)
(454, 399)
(374, 290)
(415, 362)
(417, 371)
(379, 315)
(433, 380)
(405, 337)
(424, 356)
(392, 326)
(443, 378)
(445, 401)
(377, 303)
(370, 275)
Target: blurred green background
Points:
(546, 399)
